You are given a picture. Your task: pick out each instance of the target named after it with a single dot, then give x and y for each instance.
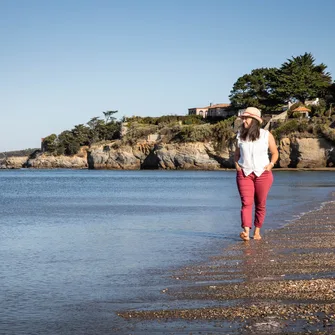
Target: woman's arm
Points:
(236, 158)
(274, 152)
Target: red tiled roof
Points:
(301, 109)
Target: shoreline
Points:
(282, 284)
(332, 169)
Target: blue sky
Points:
(63, 62)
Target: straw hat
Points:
(254, 113)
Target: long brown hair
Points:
(252, 133)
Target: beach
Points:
(282, 284)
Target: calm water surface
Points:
(75, 246)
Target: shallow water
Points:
(77, 245)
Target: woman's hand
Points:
(238, 168)
(236, 158)
(269, 166)
(274, 153)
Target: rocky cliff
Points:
(146, 155)
(306, 153)
(294, 153)
(42, 161)
(13, 162)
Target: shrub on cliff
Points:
(223, 133)
(223, 130)
(286, 128)
(138, 131)
(197, 133)
(193, 119)
(320, 109)
(168, 133)
(324, 129)
(166, 120)
(328, 133)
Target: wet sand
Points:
(282, 284)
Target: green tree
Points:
(109, 116)
(93, 122)
(256, 89)
(50, 143)
(300, 79)
(100, 130)
(94, 129)
(68, 144)
(330, 96)
(82, 134)
(113, 130)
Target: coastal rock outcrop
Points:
(111, 157)
(52, 162)
(187, 156)
(306, 153)
(294, 152)
(148, 155)
(13, 162)
(43, 161)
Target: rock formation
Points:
(294, 152)
(306, 153)
(13, 162)
(43, 161)
(147, 155)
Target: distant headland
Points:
(297, 102)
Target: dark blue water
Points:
(75, 246)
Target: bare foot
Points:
(244, 236)
(257, 234)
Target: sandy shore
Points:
(282, 284)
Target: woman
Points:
(254, 176)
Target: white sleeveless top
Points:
(254, 155)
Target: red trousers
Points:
(252, 190)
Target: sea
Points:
(77, 246)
